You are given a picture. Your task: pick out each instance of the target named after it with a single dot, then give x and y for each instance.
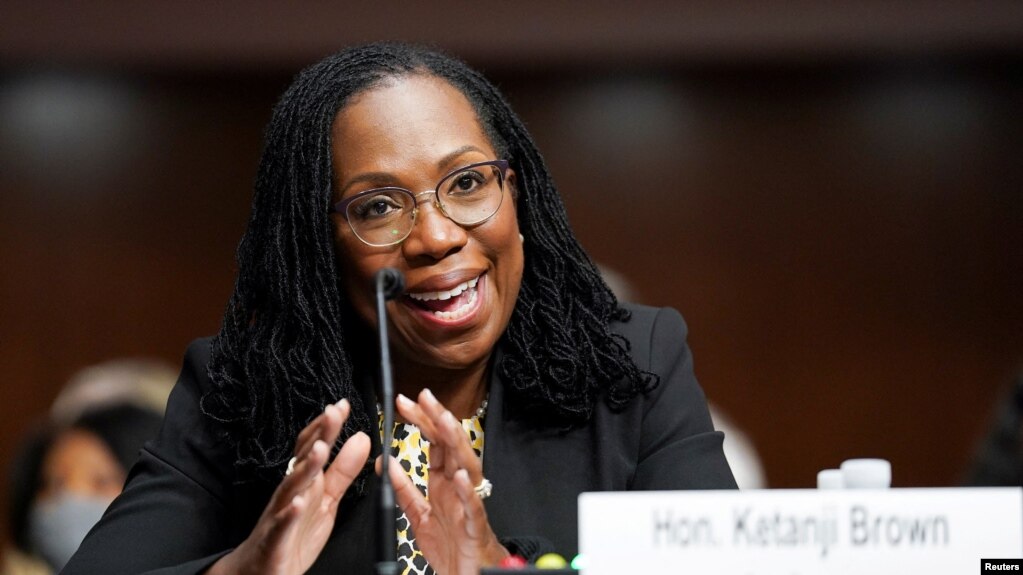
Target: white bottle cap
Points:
(830, 479)
(867, 473)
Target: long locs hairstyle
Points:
(282, 355)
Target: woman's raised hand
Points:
(297, 521)
(451, 528)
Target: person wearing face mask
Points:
(64, 478)
(522, 381)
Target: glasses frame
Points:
(342, 206)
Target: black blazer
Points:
(181, 508)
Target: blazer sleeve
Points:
(173, 515)
(679, 448)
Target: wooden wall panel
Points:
(844, 239)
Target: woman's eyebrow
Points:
(376, 177)
(448, 159)
(386, 179)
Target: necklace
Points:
(481, 411)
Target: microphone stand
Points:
(389, 284)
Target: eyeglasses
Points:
(468, 196)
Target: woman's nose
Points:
(434, 235)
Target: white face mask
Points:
(57, 527)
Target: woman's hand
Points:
(451, 528)
(298, 519)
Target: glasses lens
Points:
(471, 195)
(382, 218)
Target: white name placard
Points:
(799, 532)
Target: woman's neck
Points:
(460, 391)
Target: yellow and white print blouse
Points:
(413, 453)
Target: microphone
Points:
(389, 281)
(389, 284)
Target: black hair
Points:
(283, 352)
(24, 481)
(123, 428)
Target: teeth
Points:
(460, 312)
(445, 294)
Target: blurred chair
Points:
(739, 450)
(138, 381)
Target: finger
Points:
(309, 433)
(448, 431)
(284, 524)
(326, 426)
(438, 458)
(458, 451)
(441, 417)
(346, 466)
(434, 411)
(463, 535)
(476, 524)
(430, 405)
(306, 471)
(413, 413)
(408, 496)
(334, 419)
(475, 513)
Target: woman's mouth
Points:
(449, 305)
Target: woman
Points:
(65, 477)
(394, 156)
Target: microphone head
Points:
(391, 282)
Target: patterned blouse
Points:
(413, 454)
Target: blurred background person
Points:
(69, 467)
(999, 459)
(64, 478)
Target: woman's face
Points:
(79, 462)
(410, 132)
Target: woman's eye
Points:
(466, 182)
(377, 207)
(107, 482)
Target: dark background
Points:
(830, 193)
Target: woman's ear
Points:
(513, 183)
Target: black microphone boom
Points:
(389, 284)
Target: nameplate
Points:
(799, 532)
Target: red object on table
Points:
(512, 562)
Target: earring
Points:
(522, 238)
